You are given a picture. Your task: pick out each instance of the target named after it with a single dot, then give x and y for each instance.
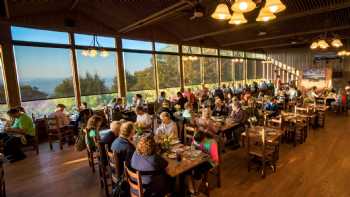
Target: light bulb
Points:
(104, 53)
(273, 8)
(243, 6)
(85, 53)
(93, 53)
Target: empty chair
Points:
(54, 132)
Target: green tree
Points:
(64, 89)
(32, 93)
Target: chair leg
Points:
(50, 142)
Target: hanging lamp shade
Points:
(92, 53)
(104, 53)
(336, 43)
(221, 12)
(243, 6)
(265, 15)
(323, 44)
(314, 45)
(275, 6)
(85, 52)
(237, 18)
(342, 53)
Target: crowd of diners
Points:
(195, 108)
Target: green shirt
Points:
(26, 123)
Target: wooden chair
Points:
(258, 150)
(135, 182)
(113, 162)
(34, 141)
(216, 172)
(188, 134)
(54, 132)
(102, 166)
(92, 155)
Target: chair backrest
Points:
(301, 110)
(51, 123)
(255, 142)
(113, 163)
(275, 122)
(188, 134)
(135, 182)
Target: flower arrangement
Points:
(139, 128)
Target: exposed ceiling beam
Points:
(74, 4)
(183, 4)
(279, 19)
(288, 35)
(7, 10)
(276, 45)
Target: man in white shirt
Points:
(292, 93)
(144, 118)
(62, 118)
(168, 127)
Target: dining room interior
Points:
(176, 98)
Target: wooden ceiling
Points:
(169, 21)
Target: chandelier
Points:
(239, 7)
(92, 50)
(344, 52)
(321, 43)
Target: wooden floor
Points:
(318, 168)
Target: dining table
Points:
(182, 159)
(272, 135)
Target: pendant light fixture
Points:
(91, 51)
(275, 6)
(237, 18)
(336, 43)
(323, 44)
(190, 57)
(243, 6)
(265, 15)
(222, 12)
(314, 45)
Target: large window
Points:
(136, 44)
(226, 70)
(251, 69)
(168, 73)
(259, 69)
(165, 47)
(87, 40)
(139, 73)
(239, 72)
(44, 73)
(38, 35)
(3, 106)
(192, 72)
(97, 76)
(211, 74)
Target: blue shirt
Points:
(123, 150)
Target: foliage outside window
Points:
(192, 72)
(139, 73)
(259, 69)
(250, 69)
(211, 74)
(168, 73)
(239, 71)
(209, 51)
(97, 76)
(44, 73)
(226, 70)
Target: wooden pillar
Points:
(74, 66)
(120, 66)
(218, 63)
(182, 79)
(11, 86)
(155, 74)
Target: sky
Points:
(38, 62)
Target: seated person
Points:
(272, 106)
(138, 100)
(123, 146)
(190, 96)
(161, 98)
(118, 105)
(92, 130)
(208, 145)
(62, 118)
(219, 108)
(292, 93)
(238, 117)
(143, 118)
(205, 123)
(165, 107)
(168, 128)
(113, 133)
(84, 114)
(21, 130)
(313, 95)
(188, 112)
(181, 100)
(152, 167)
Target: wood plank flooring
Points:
(318, 168)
